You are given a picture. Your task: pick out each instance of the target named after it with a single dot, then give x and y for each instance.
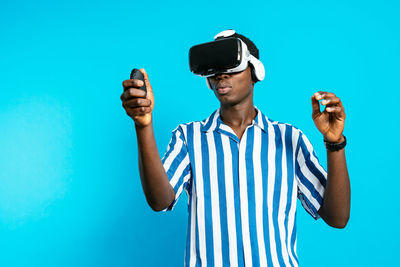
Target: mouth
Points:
(223, 88)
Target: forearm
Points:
(157, 189)
(335, 209)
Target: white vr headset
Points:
(224, 55)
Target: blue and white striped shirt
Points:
(242, 193)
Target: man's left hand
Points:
(330, 122)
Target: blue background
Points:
(70, 194)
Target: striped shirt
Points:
(242, 192)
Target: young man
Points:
(242, 171)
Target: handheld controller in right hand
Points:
(137, 74)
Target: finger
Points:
(333, 109)
(331, 101)
(315, 105)
(140, 111)
(322, 95)
(136, 102)
(337, 111)
(131, 93)
(132, 83)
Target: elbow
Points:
(159, 205)
(335, 219)
(157, 208)
(339, 223)
(160, 202)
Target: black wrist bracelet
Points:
(335, 146)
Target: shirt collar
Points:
(214, 122)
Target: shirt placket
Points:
(244, 205)
(243, 196)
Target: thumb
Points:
(315, 105)
(149, 94)
(146, 80)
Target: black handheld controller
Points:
(137, 74)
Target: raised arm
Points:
(139, 106)
(335, 209)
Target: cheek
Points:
(211, 83)
(245, 83)
(245, 79)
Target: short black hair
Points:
(250, 45)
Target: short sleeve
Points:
(311, 177)
(177, 165)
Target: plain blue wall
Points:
(70, 194)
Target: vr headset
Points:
(224, 55)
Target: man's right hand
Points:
(137, 103)
(139, 106)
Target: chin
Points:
(227, 102)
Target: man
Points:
(242, 171)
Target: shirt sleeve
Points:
(177, 165)
(311, 177)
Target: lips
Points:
(223, 88)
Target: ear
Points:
(253, 74)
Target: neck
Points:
(239, 115)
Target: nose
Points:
(220, 76)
